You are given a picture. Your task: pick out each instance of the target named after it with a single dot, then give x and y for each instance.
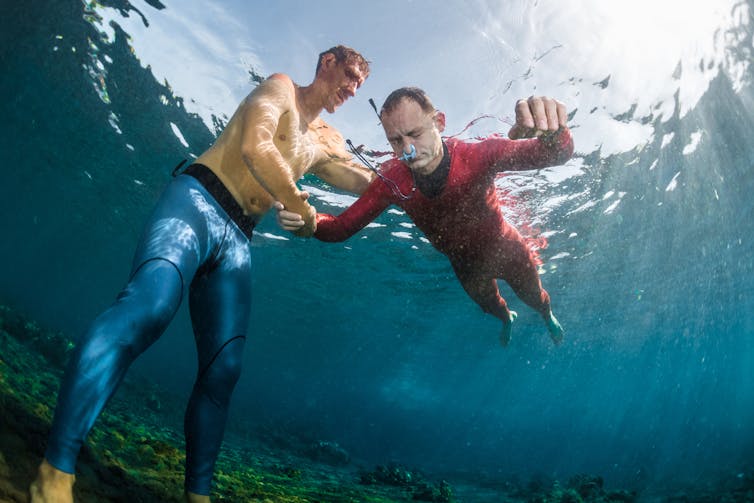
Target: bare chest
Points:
(296, 145)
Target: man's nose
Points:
(350, 89)
(408, 152)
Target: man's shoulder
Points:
(277, 90)
(396, 171)
(392, 165)
(277, 83)
(457, 147)
(458, 144)
(279, 77)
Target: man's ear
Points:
(439, 120)
(328, 61)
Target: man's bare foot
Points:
(196, 498)
(505, 335)
(52, 485)
(553, 326)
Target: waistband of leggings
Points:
(220, 193)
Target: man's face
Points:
(407, 124)
(344, 79)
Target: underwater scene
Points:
(368, 372)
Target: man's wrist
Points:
(551, 138)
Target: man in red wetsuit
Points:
(447, 188)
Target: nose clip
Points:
(410, 155)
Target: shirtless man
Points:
(197, 241)
(447, 188)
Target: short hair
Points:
(410, 93)
(347, 55)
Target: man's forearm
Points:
(274, 175)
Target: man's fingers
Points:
(562, 114)
(537, 115)
(287, 220)
(517, 132)
(524, 118)
(290, 218)
(551, 111)
(538, 111)
(557, 115)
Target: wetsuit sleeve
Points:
(503, 154)
(366, 208)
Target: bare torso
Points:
(295, 141)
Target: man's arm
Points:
(337, 166)
(551, 149)
(346, 175)
(265, 106)
(541, 136)
(332, 228)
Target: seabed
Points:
(135, 451)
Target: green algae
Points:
(135, 451)
(127, 453)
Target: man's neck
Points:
(308, 102)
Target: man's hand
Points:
(287, 220)
(538, 116)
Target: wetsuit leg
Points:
(517, 267)
(179, 236)
(219, 300)
(138, 317)
(482, 288)
(510, 260)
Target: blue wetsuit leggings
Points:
(190, 243)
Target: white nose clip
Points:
(410, 155)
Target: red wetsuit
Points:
(464, 221)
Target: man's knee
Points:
(222, 373)
(226, 369)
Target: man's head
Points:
(409, 118)
(343, 70)
(345, 55)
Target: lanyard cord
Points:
(390, 183)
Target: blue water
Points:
(372, 343)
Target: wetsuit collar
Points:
(431, 185)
